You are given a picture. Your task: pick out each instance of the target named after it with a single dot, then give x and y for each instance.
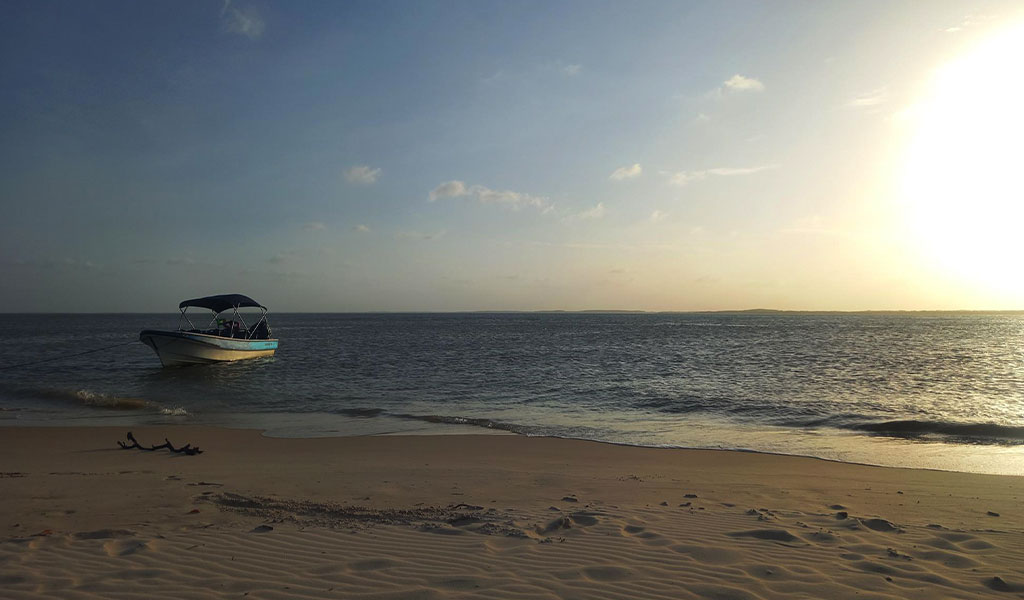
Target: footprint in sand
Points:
(102, 534)
(1001, 585)
(977, 544)
(872, 567)
(821, 537)
(949, 559)
(583, 519)
(771, 535)
(941, 544)
(555, 525)
(648, 537)
(576, 519)
(124, 547)
(879, 525)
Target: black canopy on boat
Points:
(222, 302)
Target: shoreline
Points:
(445, 428)
(609, 311)
(487, 516)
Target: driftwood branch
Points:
(186, 449)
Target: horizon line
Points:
(577, 311)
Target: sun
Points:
(963, 184)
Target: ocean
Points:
(923, 390)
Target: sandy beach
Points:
(486, 516)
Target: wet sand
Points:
(486, 517)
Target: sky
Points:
(449, 156)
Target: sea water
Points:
(917, 390)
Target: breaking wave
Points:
(89, 398)
(175, 412)
(961, 432)
(978, 431)
(98, 399)
(471, 421)
(968, 433)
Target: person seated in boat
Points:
(259, 331)
(227, 328)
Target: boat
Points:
(224, 339)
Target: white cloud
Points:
(361, 228)
(873, 98)
(592, 213)
(243, 21)
(362, 175)
(701, 118)
(686, 177)
(658, 216)
(485, 195)
(739, 83)
(572, 70)
(626, 172)
(448, 189)
(314, 226)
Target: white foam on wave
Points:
(90, 398)
(175, 412)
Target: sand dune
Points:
(487, 517)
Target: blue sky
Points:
(471, 155)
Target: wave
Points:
(957, 432)
(85, 397)
(365, 413)
(912, 428)
(175, 412)
(101, 400)
(475, 422)
(961, 432)
(482, 422)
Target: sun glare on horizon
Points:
(962, 186)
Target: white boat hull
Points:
(179, 348)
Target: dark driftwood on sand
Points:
(186, 449)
